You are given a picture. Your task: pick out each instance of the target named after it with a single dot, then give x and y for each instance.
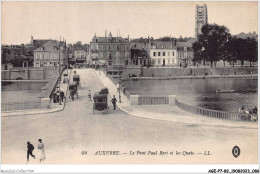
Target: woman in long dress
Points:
(41, 148)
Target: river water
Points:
(202, 92)
(21, 91)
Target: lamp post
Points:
(118, 85)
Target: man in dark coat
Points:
(30, 149)
(114, 100)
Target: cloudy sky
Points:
(79, 21)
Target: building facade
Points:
(51, 54)
(110, 51)
(185, 52)
(201, 18)
(80, 55)
(140, 55)
(163, 53)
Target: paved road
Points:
(76, 129)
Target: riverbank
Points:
(166, 112)
(170, 72)
(251, 76)
(53, 107)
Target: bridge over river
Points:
(75, 129)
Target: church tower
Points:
(201, 18)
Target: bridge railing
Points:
(142, 100)
(215, 113)
(112, 79)
(127, 94)
(21, 105)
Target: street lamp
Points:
(118, 87)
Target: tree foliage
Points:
(216, 43)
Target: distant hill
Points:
(246, 35)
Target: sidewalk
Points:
(54, 107)
(167, 112)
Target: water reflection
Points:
(20, 91)
(202, 92)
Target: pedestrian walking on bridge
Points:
(30, 149)
(114, 100)
(41, 148)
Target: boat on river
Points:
(225, 91)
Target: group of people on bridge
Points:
(30, 149)
(59, 94)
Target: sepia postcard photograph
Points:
(131, 82)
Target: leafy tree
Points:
(241, 49)
(213, 40)
(197, 52)
(252, 50)
(166, 38)
(17, 61)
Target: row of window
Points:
(163, 53)
(185, 55)
(80, 52)
(141, 61)
(50, 56)
(80, 56)
(164, 61)
(109, 47)
(45, 63)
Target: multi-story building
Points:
(185, 52)
(163, 53)
(140, 54)
(36, 43)
(201, 18)
(114, 51)
(71, 57)
(51, 54)
(80, 54)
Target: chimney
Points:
(148, 39)
(128, 37)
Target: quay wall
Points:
(194, 71)
(44, 98)
(29, 74)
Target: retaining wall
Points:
(31, 74)
(200, 71)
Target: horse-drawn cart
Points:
(73, 89)
(100, 100)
